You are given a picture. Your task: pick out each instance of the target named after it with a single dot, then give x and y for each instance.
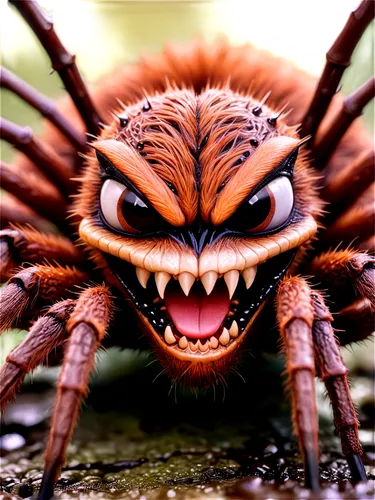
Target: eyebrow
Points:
(139, 173)
(253, 171)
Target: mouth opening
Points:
(202, 315)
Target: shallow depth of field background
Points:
(105, 34)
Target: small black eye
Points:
(125, 211)
(267, 209)
(124, 120)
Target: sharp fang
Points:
(168, 336)
(214, 342)
(203, 347)
(193, 347)
(142, 275)
(161, 280)
(208, 281)
(233, 330)
(183, 343)
(231, 279)
(224, 337)
(186, 281)
(249, 275)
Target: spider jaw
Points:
(191, 347)
(230, 279)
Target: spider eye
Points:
(124, 210)
(267, 209)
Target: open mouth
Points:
(199, 317)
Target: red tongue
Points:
(199, 315)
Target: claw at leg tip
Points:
(357, 468)
(312, 476)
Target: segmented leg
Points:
(295, 316)
(357, 221)
(34, 190)
(25, 244)
(355, 322)
(13, 211)
(36, 286)
(368, 245)
(45, 106)
(346, 275)
(86, 328)
(62, 61)
(344, 186)
(353, 105)
(338, 59)
(47, 333)
(43, 156)
(333, 373)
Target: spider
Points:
(212, 205)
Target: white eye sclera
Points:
(109, 197)
(267, 209)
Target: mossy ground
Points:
(135, 440)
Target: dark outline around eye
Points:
(285, 168)
(108, 171)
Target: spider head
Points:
(199, 204)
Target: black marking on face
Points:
(147, 300)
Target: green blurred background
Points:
(103, 34)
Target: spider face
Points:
(199, 205)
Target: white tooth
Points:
(168, 335)
(183, 343)
(186, 281)
(193, 347)
(203, 347)
(231, 279)
(142, 275)
(224, 337)
(233, 330)
(214, 342)
(161, 280)
(249, 275)
(208, 281)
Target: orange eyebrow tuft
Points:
(139, 172)
(250, 174)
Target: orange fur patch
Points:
(252, 172)
(127, 161)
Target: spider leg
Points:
(86, 329)
(368, 245)
(41, 155)
(34, 190)
(35, 286)
(45, 106)
(13, 211)
(333, 373)
(345, 185)
(358, 219)
(62, 61)
(25, 244)
(347, 276)
(295, 317)
(326, 142)
(338, 59)
(47, 333)
(355, 322)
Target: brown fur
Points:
(191, 147)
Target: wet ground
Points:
(143, 440)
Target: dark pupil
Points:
(251, 213)
(137, 214)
